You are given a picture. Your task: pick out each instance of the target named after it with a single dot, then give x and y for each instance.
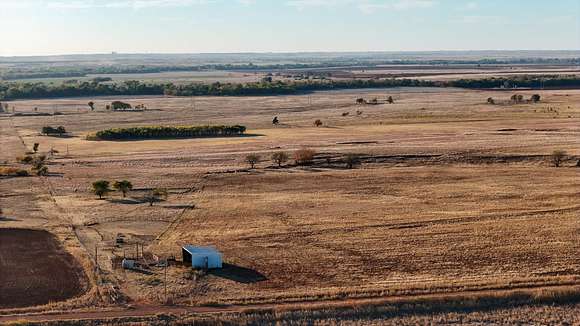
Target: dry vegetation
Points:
(451, 195)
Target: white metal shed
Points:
(202, 257)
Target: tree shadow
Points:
(127, 201)
(179, 206)
(8, 219)
(238, 274)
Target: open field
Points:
(452, 194)
(36, 270)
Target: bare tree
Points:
(252, 159)
(280, 158)
(156, 194)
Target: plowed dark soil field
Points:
(35, 270)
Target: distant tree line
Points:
(47, 71)
(26, 90)
(160, 132)
(525, 81)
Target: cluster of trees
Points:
(38, 163)
(103, 187)
(24, 90)
(156, 132)
(304, 156)
(51, 131)
(527, 81)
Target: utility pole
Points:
(96, 258)
(165, 281)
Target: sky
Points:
(41, 27)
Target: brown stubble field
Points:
(453, 194)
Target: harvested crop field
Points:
(451, 194)
(35, 270)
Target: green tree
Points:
(280, 158)
(123, 186)
(252, 159)
(155, 195)
(101, 188)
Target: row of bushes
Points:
(165, 132)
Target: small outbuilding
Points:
(201, 257)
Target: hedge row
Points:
(164, 132)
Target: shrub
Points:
(490, 100)
(558, 157)
(304, 156)
(252, 159)
(40, 170)
(390, 100)
(22, 173)
(35, 147)
(351, 160)
(535, 98)
(27, 159)
(280, 158)
(318, 123)
(49, 131)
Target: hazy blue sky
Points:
(30, 27)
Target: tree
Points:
(304, 156)
(318, 123)
(91, 105)
(123, 186)
(390, 100)
(520, 98)
(360, 100)
(101, 188)
(351, 160)
(252, 159)
(490, 100)
(535, 98)
(35, 147)
(275, 121)
(558, 157)
(155, 195)
(118, 105)
(280, 158)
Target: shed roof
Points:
(201, 250)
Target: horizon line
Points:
(112, 53)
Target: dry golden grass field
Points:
(452, 195)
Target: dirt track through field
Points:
(152, 310)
